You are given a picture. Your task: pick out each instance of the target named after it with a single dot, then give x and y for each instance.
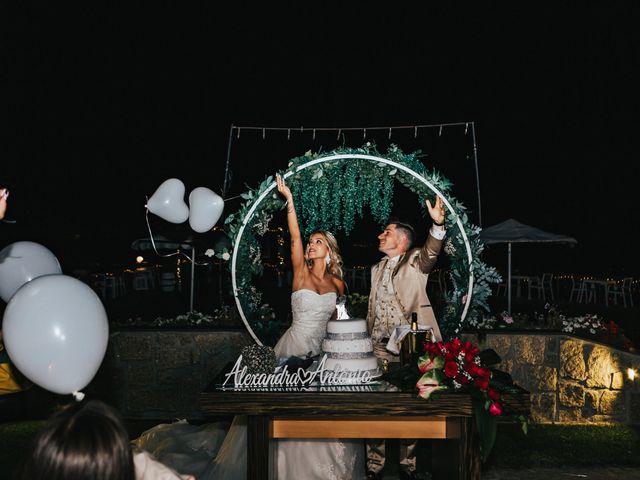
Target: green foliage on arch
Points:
(332, 196)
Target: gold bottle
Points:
(411, 341)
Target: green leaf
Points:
(487, 425)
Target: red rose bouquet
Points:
(457, 365)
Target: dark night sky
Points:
(99, 106)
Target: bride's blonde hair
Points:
(335, 259)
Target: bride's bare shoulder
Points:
(339, 284)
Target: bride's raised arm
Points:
(297, 249)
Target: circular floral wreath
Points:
(365, 178)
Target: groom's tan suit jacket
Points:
(410, 285)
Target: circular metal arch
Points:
(330, 158)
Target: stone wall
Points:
(570, 380)
(159, 374)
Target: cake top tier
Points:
(348, 325)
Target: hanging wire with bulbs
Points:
(469, 127)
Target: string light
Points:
(339, 130)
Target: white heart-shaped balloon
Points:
(168, 201)
(205, 208)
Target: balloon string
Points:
(79, 396)
(168, 254)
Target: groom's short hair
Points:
(406, 229)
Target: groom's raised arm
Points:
(430, 251)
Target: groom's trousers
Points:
(376, 454)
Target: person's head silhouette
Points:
(85, 441)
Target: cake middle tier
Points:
(342, 346)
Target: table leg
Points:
(258, 448)
(458, 457)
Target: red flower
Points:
(472, 369)
(471, 350)
(434, 349)
(484, 372)
(450, 369)
(462, 379)
(469, 356)
(494, 394)
(495, 409)
(482, 383)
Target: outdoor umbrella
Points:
(511, 231)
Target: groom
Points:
(398, 288)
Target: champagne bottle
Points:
(409, 342)
(414, 321)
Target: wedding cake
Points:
(348, 347)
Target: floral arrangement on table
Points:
(457, 365)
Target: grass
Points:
(544, 446)
(15, 440)
(562, 445)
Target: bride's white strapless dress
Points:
(310, 313)
(321, 459)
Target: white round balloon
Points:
(56, 332)
(21, 262)
(168, 201)
(205, 208)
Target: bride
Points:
(317, 285)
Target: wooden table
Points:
(371, 411)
